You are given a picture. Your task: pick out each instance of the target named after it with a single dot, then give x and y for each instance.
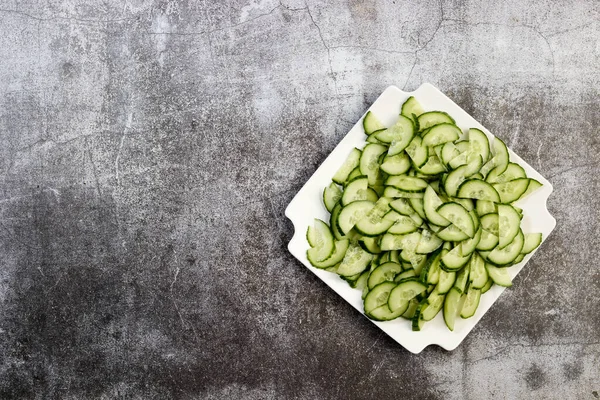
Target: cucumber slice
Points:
(370, 244)
(509, 221)
(462, 278)
(479, 143)
(485, 207)
(431, 202)
(532, 241)
(449, 152)
(333, 223)
(371, 139)
(374, 223)
(458, 216)
(407, 183)
(353, 175)
(509, 253)
(532, 187)
(429, 242)
(517, 260)
(371, 123)
(351, 162)
(446, 281)
(398, 136)
(432, 118)
(431, 267)
(340, 248)
(369, 161)
(433, 166)
(418, 153)
(372, 195)
(440, 134)
(403, 225)
(468, 246)
(512, 172)
(487, 286)
(355, 261)
(411, 107)
(352, 213)
(386, 272)
(466, 203)
(477, 189)
(478, 274)
(323, 242)
(490, 223)
(412, 307)
(331, 195)
(511, 191)
(396, 165)
(375, 303)
(499, 276)
(400, 242)
(417, 321)
(451, 306)
(394, 193)
(500, 159)
(453, 261)
(405, 291)
(435, 303)
(394, 256)
(409, 273)
(311, 236)
(471, 303)
(361, 282)
(355, 190)
(460, 174)
(452, 234)
(402, 206)
(417, 205)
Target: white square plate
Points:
(308, 204)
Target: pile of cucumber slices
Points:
(423, 218)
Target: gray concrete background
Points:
(149, 148)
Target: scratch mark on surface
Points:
(117, 159)
(539, 160)
(94, 172)
(590, 164)
(505, 348)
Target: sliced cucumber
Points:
(484, 207)
(509, 221)
(417, 205)
(446, 281)
(478, 274)
(340, 248)
(385, 272)
(403, 225)
(408, 273)
(468, 246)
(398, 136)
(323, 242)
(400, 242)
(532, 187)
(451, 307)
(452, 234)
(532, 241)
(512, 172)
(355, 190)
(428, 243)
(394, 193)
(462, 279)
(411, 107)
(431, 202)
(488, 285)
(370, 244)
(458, 216)
(418, 153)
(417, 321)
(511, 191)
(432, 118)
(479, 143)
(440, 134)
(490, 223)
(449, 152)
(460, 174)
(471, 303)
(435, 302)
(353, 175)
(374, 223)
(431, 268)
(396, 165)
(369, 161)
(375, 303)
(331, 195)
(453, 261)
(407, 183)
(506, 255)
(433, 166)
(478, 189)
(352, 213)
(355, 261)
(371, 123)
(351, 162)
(499, 276)
(405, 291)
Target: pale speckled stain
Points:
(149, 148)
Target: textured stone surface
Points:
(148, 150)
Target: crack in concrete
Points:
(507, 347)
